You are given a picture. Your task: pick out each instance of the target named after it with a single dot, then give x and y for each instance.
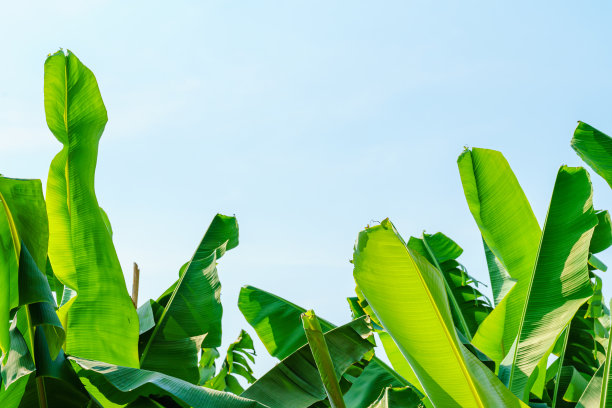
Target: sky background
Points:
(307, 120)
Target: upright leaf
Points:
(320, 352)
(22, 218)
(560, 283)
(392, 277)
(510, 230)
(501, 281)
(80, 246)
(469, 306)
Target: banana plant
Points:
(59, 249)
(277, 323)
(70, 335)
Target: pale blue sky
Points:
(307, 120)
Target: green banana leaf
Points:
(468, 305)
(80, 246)
(584, 351)
(124, 385)
(295, 381)
(277, 324)
(276, 321)
(394, 278)
(22, 218)
(597, 393)
(501, 281)
(13, 396)
(586, 344)
(24, 225)
(208, 366)
(236, 363)
(19, 362)
(322, 359)
(397, 398)
(374, 378)
(602, 236)
(34, 291)
(23, 394)
(359, 307)
(573, 384)
(191, 311)
(510, 231)
(591, 397)
(595, 148)
(560, 283)
(176, 358)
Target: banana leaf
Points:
(23, 220)
(560, 283)
(81, 250)
(191, 310)
(277, 324)
(595, 148)
(240, 354)
(392, 277)
(295, 381)
(322, 359)
(602, 235)
(19, 362)
(591, 397)
(512, 234)
(124, 385)
(501, 281)
(397, 398)
(24, 225)
(468, 305)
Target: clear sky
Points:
(307, 120)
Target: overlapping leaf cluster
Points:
(71, 337)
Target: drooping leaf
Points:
(595, 148)
(295, 381)
(392, 277)
(191, 314)
(207, 365)
(80, 246)
(123, 385)
(236, 363)
(602, 235)
(560, 283)
(276, 321)
(278, 326)
(511, 232)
